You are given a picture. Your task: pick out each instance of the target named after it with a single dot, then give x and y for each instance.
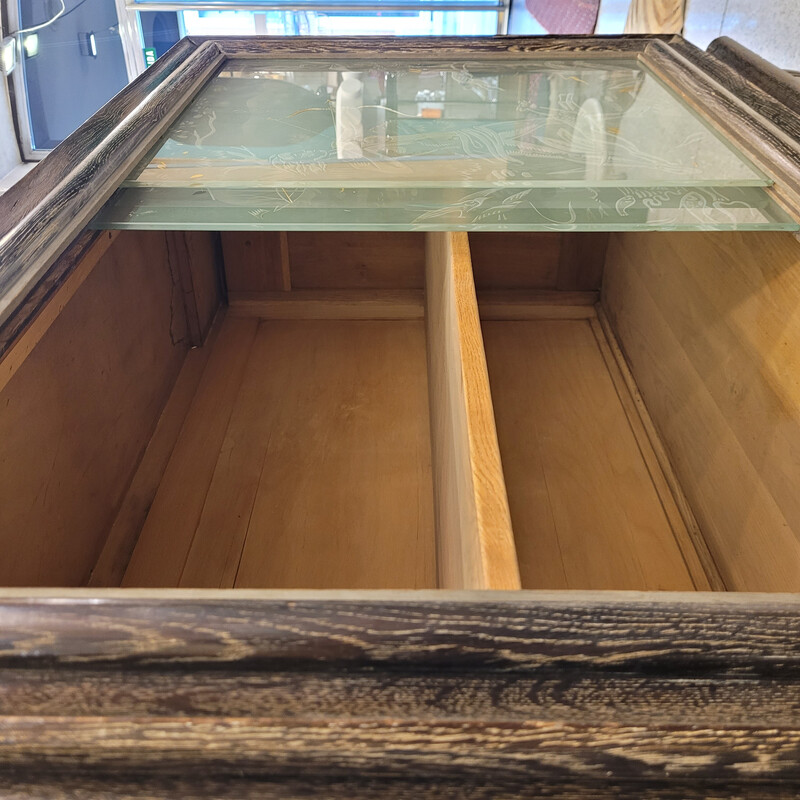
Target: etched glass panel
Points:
(497, 144)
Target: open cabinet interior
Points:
(366, 410)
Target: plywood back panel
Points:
(357, 260)
(77, 414)
(254, 260)
(710, 323)
(520, 260)
(270, 261)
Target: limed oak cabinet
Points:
(407, 418)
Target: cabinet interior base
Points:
(304, 457)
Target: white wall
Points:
(9, 151)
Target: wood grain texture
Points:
(40, 225)
(121, 540)
(61, 785)
(782, 86)
(772, 147)
(586, 695)
(78, 413)
(72, 269)
(655, 16)
(411, 47)
(699, 635)
(330, 304)
(192, 255)
(167, 534)
(585, 510)
(396, 748)
(759, 84)
(696, 555)
(536, 304)
(254, 261)
(319, 454)
(327, 459)
(475, 543)
(357, 259)
(709, 326)
(399, 693)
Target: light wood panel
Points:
(585, 511)
(124, 533)
(473, 526)
(256, 261)
(304, 464)
(357, 260)
(571, 262)
(11, 359)
(167, 534)
(688, 535)
(330, 304)
(515, 260)
(710, 325)
(77, 414)
(536, 304)
(194, 257)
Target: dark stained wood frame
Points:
(113, 693)
(430, 694)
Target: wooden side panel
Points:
(473, 525)
(562, 261)
(121, 541)
(709, 323)
(167, 534)
(77, 414)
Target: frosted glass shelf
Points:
(671, 208)
(581, 144)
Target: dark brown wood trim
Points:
(690, 634)
(778, 83)
(39, 225)
(374, 748)
(772, 93)
(587, 695)
(771, 149)
(414, 47)
(57, 166)
(22, 785)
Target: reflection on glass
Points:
(525, 145)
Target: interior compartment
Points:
(407, 410)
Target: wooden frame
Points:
(257, 694)
(454, 694)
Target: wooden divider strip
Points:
(475, 543)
